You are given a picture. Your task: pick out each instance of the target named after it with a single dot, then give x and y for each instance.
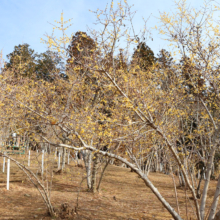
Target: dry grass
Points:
(122, 196)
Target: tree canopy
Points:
(24, 62)
(143, 56)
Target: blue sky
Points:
(26, 21)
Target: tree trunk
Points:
(102, 174)
(174, 184)
(161, 199)
(94, 172)
(215, 203)
(156, 162)
(205, 189)
(87, 157)
(182, 179)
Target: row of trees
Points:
(150, 113)
(25, 62)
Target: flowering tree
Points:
(134, 112)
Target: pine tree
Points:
(80, 50)
(22, 61)
(48, 65)
(143, 56)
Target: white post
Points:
(64, 158)
(42, 162)
(76, 158)
(3, 165)
(59, 161)
(8, 173)
(37, 151)
(68, 157)
(56, 153)
(29, 157)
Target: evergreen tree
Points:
(22, 61)
(143, 56)
(80, 50)
(164, 59)
(167, 70)
(49, 64)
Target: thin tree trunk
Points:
(87, 157)
(215, 203)
(198, 194)
(174, 184)
(94, 172)
(182, 179)
(156, 162)
(102, 174)
(175, 215)
(194, 177)
(206, 185)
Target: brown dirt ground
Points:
(122, 195)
